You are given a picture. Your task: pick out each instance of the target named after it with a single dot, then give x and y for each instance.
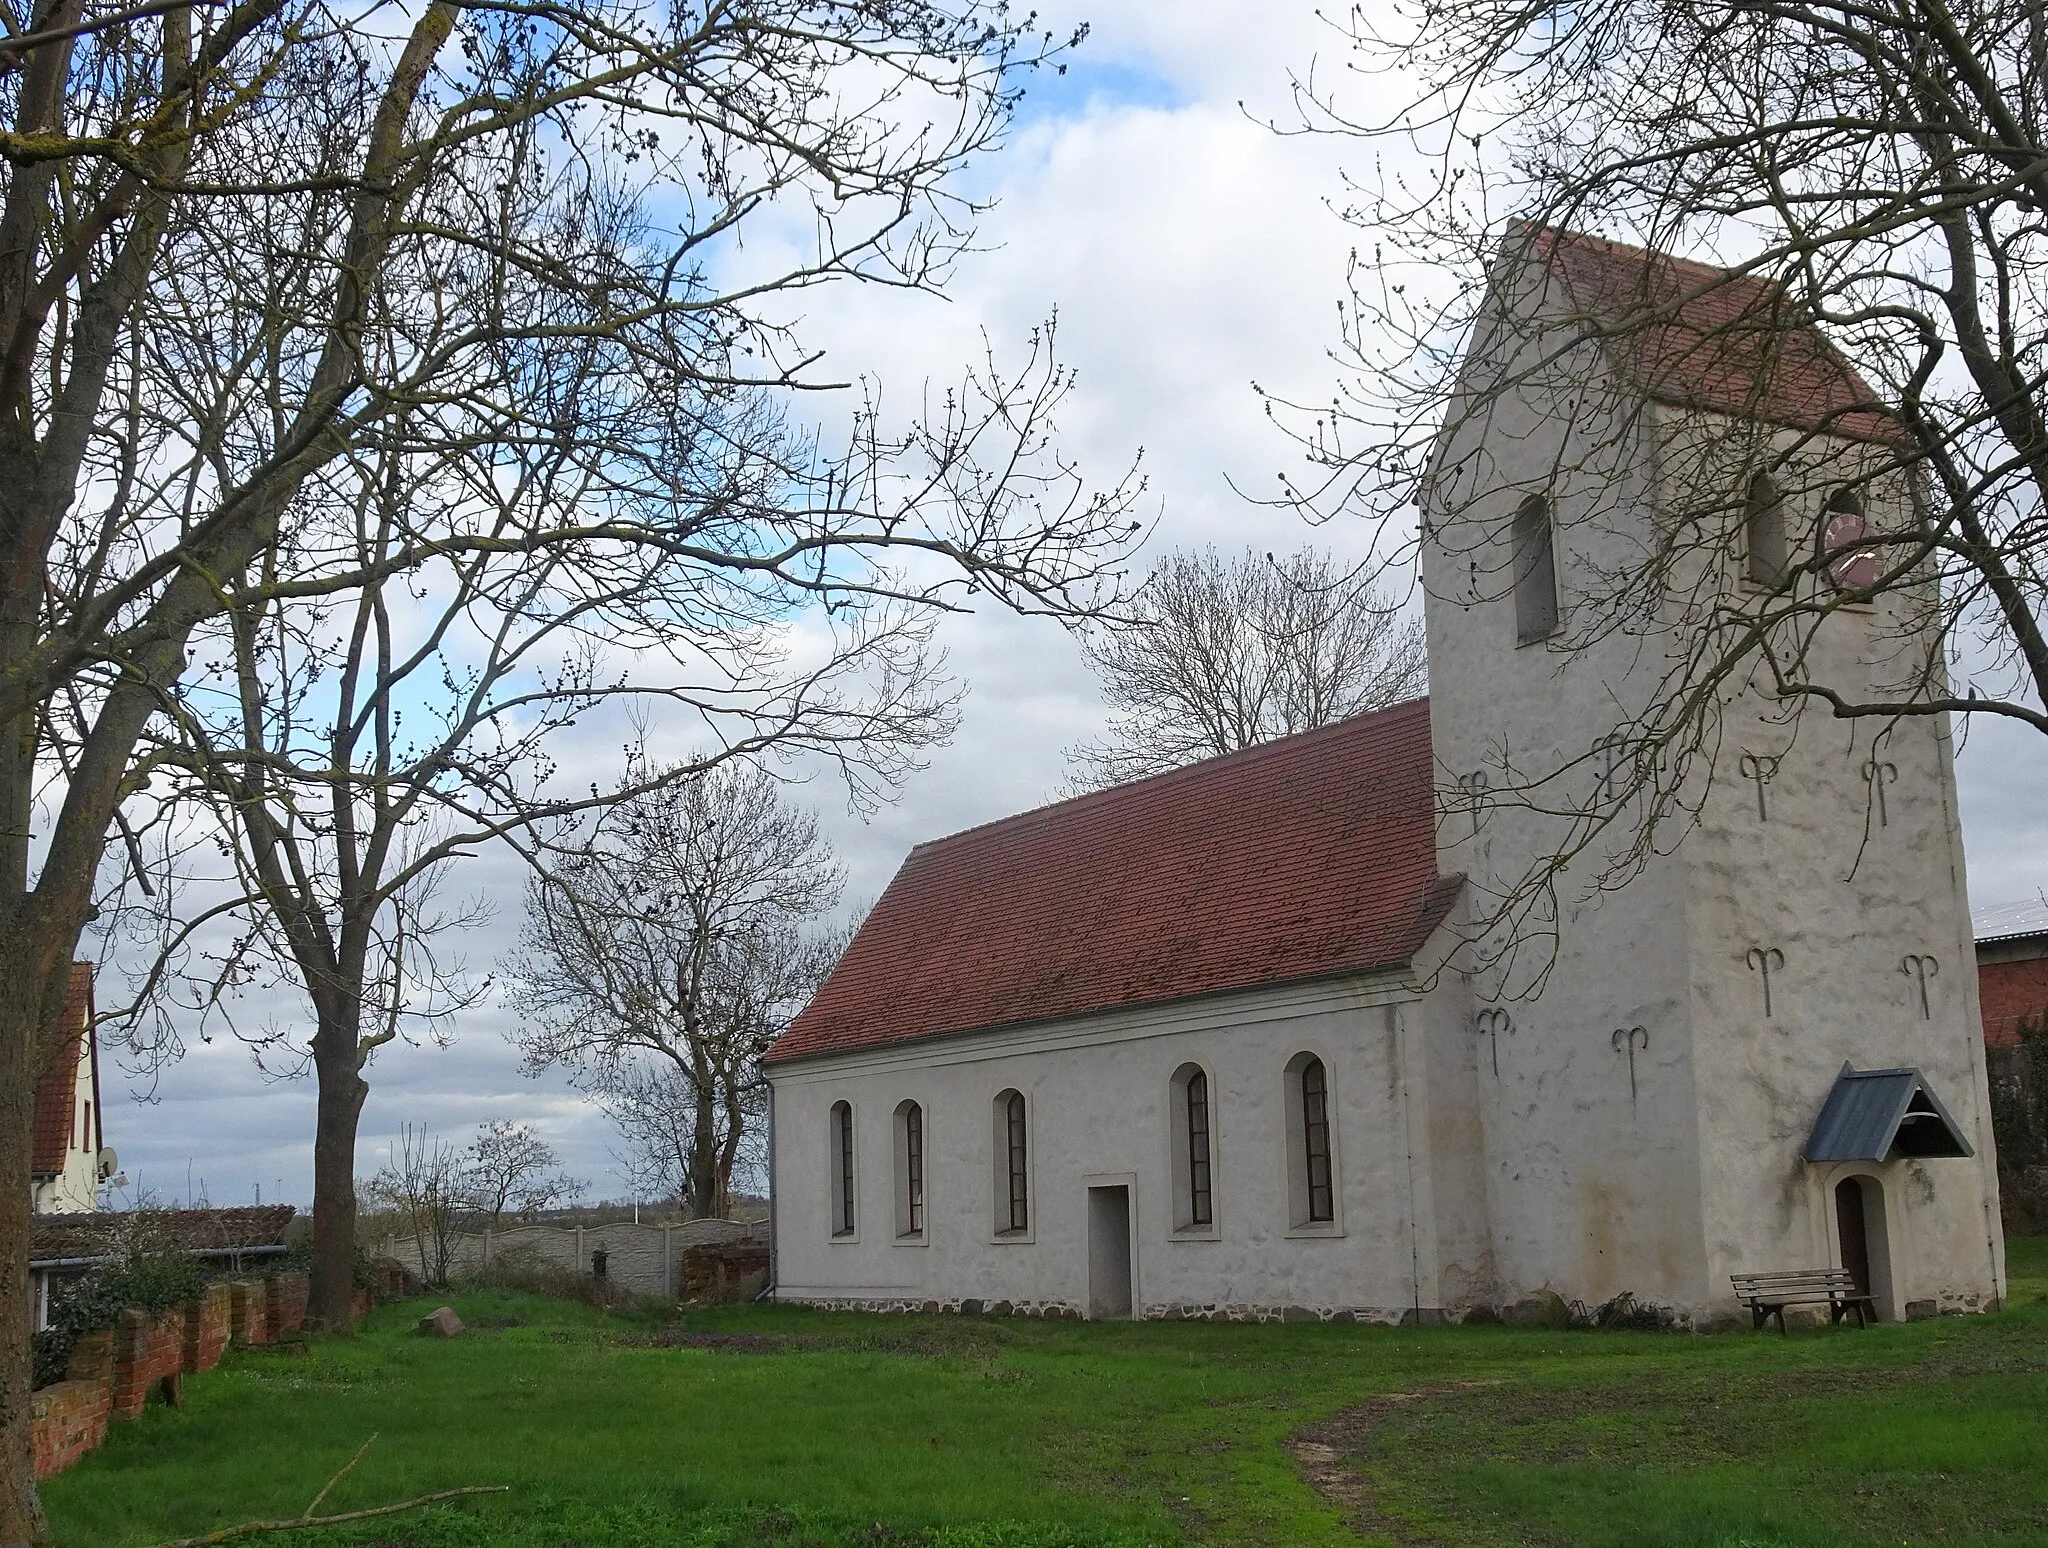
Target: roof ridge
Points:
(1270, 747)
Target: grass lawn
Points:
(747, 1428)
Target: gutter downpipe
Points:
(774, 1247)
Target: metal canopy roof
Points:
(1874, 1115)
(2010, 921)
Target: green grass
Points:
(815, 1431)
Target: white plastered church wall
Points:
(1098, 1090)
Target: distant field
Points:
(779, 1428)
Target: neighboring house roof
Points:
(1872, 1114)
(1305, 857)
(57, 1091)
(1701, 337)
(2009, 921)
(108, 1233)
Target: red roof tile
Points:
(1707, 338)
(57, 1091)
(1302, 858)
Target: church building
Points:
(1554, 984)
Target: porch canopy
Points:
(1876, 1115)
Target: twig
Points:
(249, 1528)
(328, 1487)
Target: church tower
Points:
(1716, 934)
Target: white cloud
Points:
(1189, 251)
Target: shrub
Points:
(537, 1276)
(151, 1283)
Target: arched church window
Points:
(1535, 572)
(909, 1169)
(1013, 1188)
(842, 1169)
(1764, 531)
(1842, 525)
(1311, 1144)
(1315, 1129)
(1194, 1150)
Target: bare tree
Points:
(509, 1167)
(1218, 654)
(243, 261)
(422, 1184)
(1865, 335)
(660, 961)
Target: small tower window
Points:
(842, 1169)
(1535, 572)
(1764, 532)
(1013, 1201)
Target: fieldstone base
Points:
(1385, 1316)
(959, 1306)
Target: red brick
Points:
(285, 1297)
(65, 1422)
(146, 1350)
(207, 1323)
(2012, 992)
(248, 1322)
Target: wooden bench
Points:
(1767, 1295)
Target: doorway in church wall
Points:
(1109, 1253)
(1861, 1233)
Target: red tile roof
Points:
(1306, 857)
(1707, 338)
(112, 1232)
(57, 1091)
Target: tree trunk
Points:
(703, 1179)
(29, 1007)
(337, 1065)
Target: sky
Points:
(1189, 251)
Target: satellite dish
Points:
(109, 1163)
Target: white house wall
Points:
(1098, 1095)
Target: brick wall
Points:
(207, 1323)
(285, 1297)
(92, 1357)
(114, 1370)
(733, 1271)
(2011, 992)
(66, 1421)
(146, 1350)
(248, 1316)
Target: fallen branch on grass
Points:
(294, 1523)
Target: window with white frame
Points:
(1194, 1150)
(842, 1168)
(1013, 1165)
(1311, 1144)
(910, 1171)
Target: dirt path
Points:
(1325, 1452)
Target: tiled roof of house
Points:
(57, 1091)
(1306, 857)
(112, 1233)
(1701, 337)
